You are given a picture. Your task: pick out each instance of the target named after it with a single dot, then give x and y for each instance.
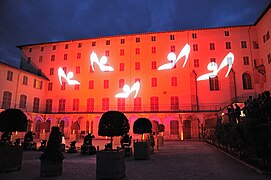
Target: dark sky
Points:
(36, 21)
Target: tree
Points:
(142, 125)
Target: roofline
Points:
(263, 13)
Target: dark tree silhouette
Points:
(141, 126)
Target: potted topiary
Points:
(51, 159)
(141, 148)
(11, 120)
(110, 162)
(160, 138)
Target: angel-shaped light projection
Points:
(101, 63)
(173, 59)
(68, 77)
(127, 90)
(212, 66)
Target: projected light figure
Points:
(68, 77)
(173, 59)
(101, 63)
(212, 66)
(127, 90)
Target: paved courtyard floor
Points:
(182, 160)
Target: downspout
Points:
(16, 90)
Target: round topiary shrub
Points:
(142, 125)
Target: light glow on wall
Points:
(127, 90)
(174, 59)
(101, 63)
(212, 66)
(68, 77)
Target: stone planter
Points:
(141, 150)
(110, 164)
(50, 168)
(10, 157)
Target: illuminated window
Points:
(40, 58)
(227, 33)
(194, 35)
(137, 79)
(37, 84)
(174, 81)
(51, 71)
(77, 87)
(93, 43)
(9, 75)
(269, 58)
(121, 104)
(137, 40)
(153, 50)
(154, 103)
(195, 47)
(214, 84)
(137, 50)
(91, 84)
(228, 45)
(122, 41)
(41, 48)
(36, 104)
(54, 47)
(107, 53)
(23, 99)
(137, 104)
(246, 60)
(6, 100)
(212, 60)
(65, 56)
(30, 50)
(121, 66)
(137, 65)
(174, 103)
(171, 37)
(90, 104)
(77, 69)
(196, 62)
(107, 42)
(153, 65)
(172, 48)
(78, 55)
(212, 46)
(121, 52)
(153, 82)
(75, 106)
(105, 104)
(63, 86)
(106, 84)
(79, 45)
(153, 38)
(25, 80)
(50, 86)
(53, 57)
(121, 83)
(174, 127)
(49, 105)
(247, 84)
(61, 105)
(66, 46)
(243, 44)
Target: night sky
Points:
(36, 21)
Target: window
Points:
(63, 86)
(75, 106)
(212, 46)
(77, 70)
(226, 33)
(174, 81)
(121, 52)
(121, 83)
(93, 43)
(9, 75)
(172, 48)
(137, 104)
(41, 48)
(53, 57)
(153, 50)
(6, 103)
(78, 55)
(255, 45)
(154, 103)
(137, 40)
(243, 44)
(65, 70)
(174, 127)
(266, 37)
(153, 38)
(37, 84)
(153, 82)
(30, 50)
(107, 42)
(23, 99)
(228, 45)
(212, 60)
(40, 58)
(122, 41)
(91, 84)
(121, 104)
(54, 47)
(65, 56)
(137, 65)
(196, 62)
(61, 105)
(194, 35)
(195, 47)
(36, 104)
(269, 58)
(171, 37)
(121, 67)
(79, 45)
(105, 104)
(246, 60)
(66, 46)
(214, 84)
(153, 65)
(174, 103)
(90, 69)
(49, 105)
(77, 87)
(107, 53)
(247, 84)
(50, 86)
(51, 71)
(137, 50)
(25, 80)
(106, 84)
(90, 104)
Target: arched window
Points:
(246, 78)
(174, 127)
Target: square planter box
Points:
(10, 157)
(50, 168)
(141, 150)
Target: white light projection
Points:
(68, 77)
(212, 66)
(127, 90)
(173, 59)
(101, 63)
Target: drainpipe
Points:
(17, 87)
